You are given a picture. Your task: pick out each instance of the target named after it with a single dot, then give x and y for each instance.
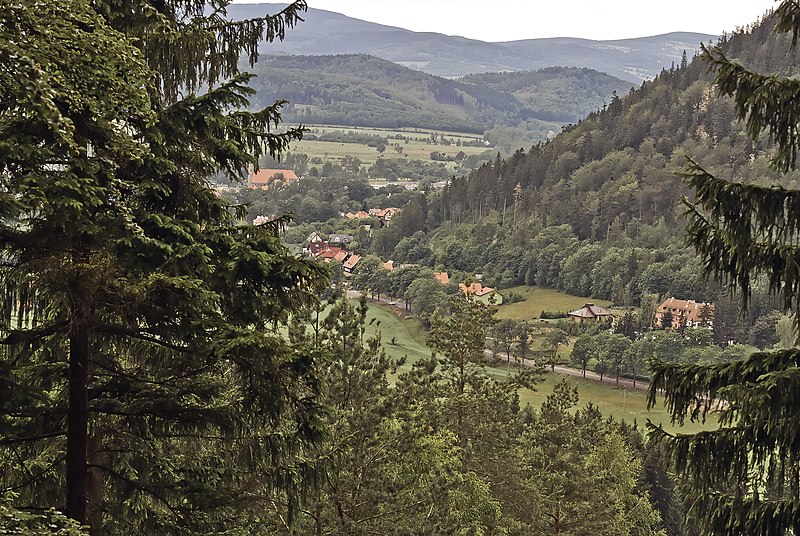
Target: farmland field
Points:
(419, 146)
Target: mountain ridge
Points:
(363, 90)
(327, 32)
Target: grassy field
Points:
(623, 404)
(409, 337)
(419, 146)
(542, 299)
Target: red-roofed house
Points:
(589, 313)
(315, 248)
(264, 177)
(360, 215)
(478, 292)
(389, 265)
(341, 256)
(442, 277)
(329, 253)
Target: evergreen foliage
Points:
(144, 374)
(744, 475)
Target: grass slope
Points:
(542, 299)
(623, 404)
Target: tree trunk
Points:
(77, 425)
(94, 485)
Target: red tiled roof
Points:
(442, 277)
(691, 310)
(475, 289)
(330, 252)
(317, 247)
(263, 177)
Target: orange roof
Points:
(263, 177)
(360, 215)
(475, 289)
(389, 265)
(442, 277)
(341, 256)
(351, 262)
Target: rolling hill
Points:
(361, 90)
(325, 32)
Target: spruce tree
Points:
(146, 386)
(744, 476)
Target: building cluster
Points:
(678, 313)
(474, 291)
(385, 215)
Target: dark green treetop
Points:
(744, 475)
(144, 375)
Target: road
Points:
(569, 371)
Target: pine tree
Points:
(144, 376)
(744, 476)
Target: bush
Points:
(553, 315)
(512, 297)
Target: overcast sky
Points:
(506, 20)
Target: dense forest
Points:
(361, 90)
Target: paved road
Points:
(590, 375)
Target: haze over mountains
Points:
(325, 32)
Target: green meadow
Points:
(542, 299)
(623, 403)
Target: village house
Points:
(314, 237)
(315, 248)
(350, 264)
(264, 177)
(340, 239)
(477, 292)
(590, 313)
(360, 215)
(329, 253)
(689, 313)
(442, 277)
(389, 265)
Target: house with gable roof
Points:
(476, 291)
(590, 313)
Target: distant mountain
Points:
(361, 90)
(325, 32)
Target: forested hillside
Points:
(360, 90)
(566, 94)
(596, 211)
